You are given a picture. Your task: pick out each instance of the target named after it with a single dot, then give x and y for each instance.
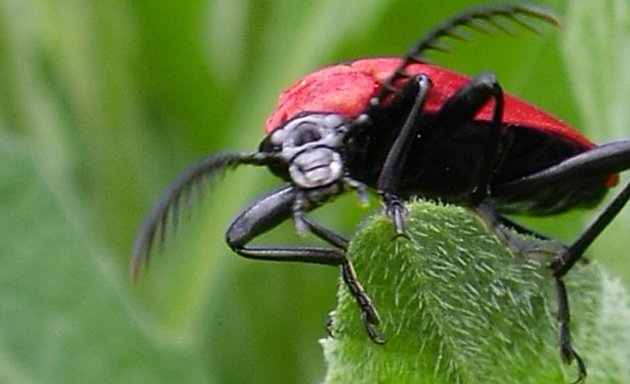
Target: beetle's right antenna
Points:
(485, 19)
(193, 178)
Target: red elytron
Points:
(347, 88)
(405, 128)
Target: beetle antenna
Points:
(486, 19)
(207, 170)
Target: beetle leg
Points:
(458, 109)
(601, 161)
(360, 188)
(496, 222)
(397, 155)
(565, 261)
(563, 316)
(302, 197)
(562, 264)
(504, 229)
(396, 211)
(519, 228)
(299, 217)
(461, 108)
(269, 211)
(492, 219)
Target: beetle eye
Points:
(306, 135)
(304, 131)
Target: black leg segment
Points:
(565, 261)
(272, 209)
(399, 151)
(461, 108)
(567, 352)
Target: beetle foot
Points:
(376, 336)
(396, 211)
(568, 355)
(369, 314)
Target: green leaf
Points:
(458, 306)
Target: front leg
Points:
(271, 210)
(459, 109)
(389, 178)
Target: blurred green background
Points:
(102, 103)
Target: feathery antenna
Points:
(192, 180)
(485, 19)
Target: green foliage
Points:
(50, 332)
(102, 103)
(459, 307)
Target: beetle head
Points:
(307, 149)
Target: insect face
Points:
(310, 145)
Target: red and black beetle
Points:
(404, 128)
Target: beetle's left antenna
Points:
(485, 19)
(207, 170)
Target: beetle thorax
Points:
(310, 144)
